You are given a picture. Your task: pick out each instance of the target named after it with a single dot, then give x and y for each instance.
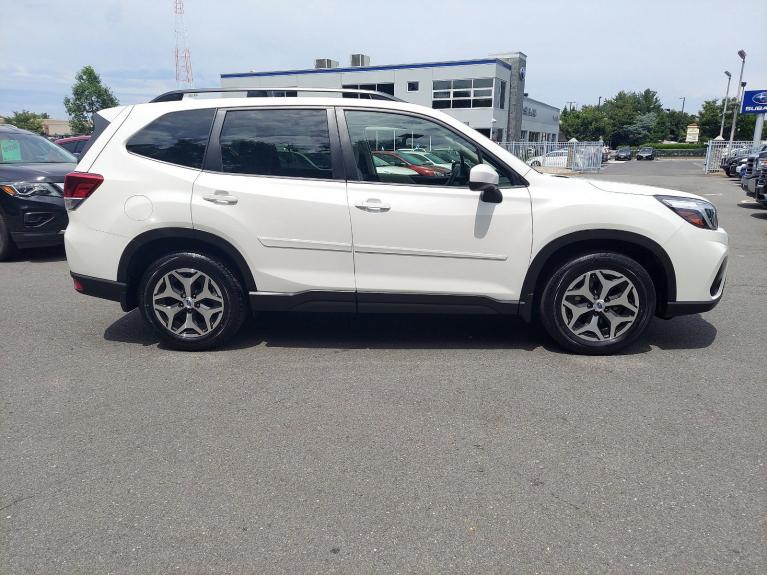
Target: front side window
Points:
(394, 137)
(288, 143)
(177, 138)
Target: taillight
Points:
(79, 186)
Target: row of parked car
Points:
(751, 167)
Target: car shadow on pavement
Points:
(759, 215)
(40, 255)
(415, 331)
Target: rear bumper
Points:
(100, 288)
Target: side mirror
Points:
(483, 178)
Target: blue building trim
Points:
(368, 68)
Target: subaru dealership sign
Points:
(754, 102)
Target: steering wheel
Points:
(458, 168)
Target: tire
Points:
(603, 327)
(7, 247)
(535, 164)
(188, 289)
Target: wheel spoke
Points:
(170, 312)
(591, 327)
(186, 280)
(576, 310)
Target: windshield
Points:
(21, 148)
(645, 149)
(624, 149)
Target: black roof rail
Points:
(176, 95)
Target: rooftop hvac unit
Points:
(360, 60)
(325, 63)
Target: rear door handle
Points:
(372, 205)
(221, 197)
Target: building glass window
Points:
(502, 94)
(386, 88)
(288, 143)
(476, 93)
(412, 86)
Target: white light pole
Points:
(492, 126)
(724, 108)
(742, 55)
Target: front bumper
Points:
(34, 222)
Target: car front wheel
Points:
(597, 303)
(192, 301)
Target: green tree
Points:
(660, 129)
(89, 95)
(648, 102)
(27, 120)
(589, 123)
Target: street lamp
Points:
(724, 108)
(742, 55)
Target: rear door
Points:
(273, 186)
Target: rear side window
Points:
(69, 146)
(177, 138)
(288, 143)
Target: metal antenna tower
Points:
(184, 78)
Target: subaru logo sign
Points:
(754, 102)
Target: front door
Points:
(424, 231)
(273, 186)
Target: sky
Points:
(576, 51)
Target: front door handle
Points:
(372, 205)
(221, 197)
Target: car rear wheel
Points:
(7, 247)
(597, 303)
(535, 164)
(192, 301)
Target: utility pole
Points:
(683, 98)
(724, 108)
(742, 54)
(571, 105)
(599, 105)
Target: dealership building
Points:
(487, 94)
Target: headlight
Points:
(763, 163)
(30, 189)
(700, 213)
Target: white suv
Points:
(202, 210)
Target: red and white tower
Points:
(184, 78)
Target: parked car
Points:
(755, 165)
(387, 169)
(32, 171)
(428, 157)
(760, 185)
(646, 153)
(623, 153)
(73, 145)
(185, 210)
(413, 162)
(553, 159)
(736, 162)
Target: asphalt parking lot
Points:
(389, 444)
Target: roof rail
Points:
(176, 95)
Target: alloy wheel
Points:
(188, 303)
(600, 305)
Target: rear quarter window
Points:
(177, 138)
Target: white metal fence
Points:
(574, 156)
(718, 151)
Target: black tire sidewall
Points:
(232, 293)
(568, 272)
